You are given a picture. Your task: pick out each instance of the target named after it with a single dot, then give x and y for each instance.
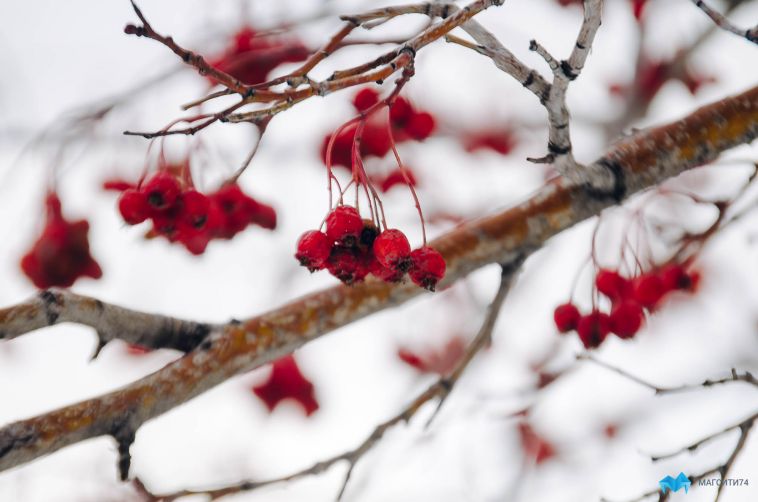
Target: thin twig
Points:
(722, 22)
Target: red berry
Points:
(626, 319)
(612, 284)
(313, 250)
(420, 125)
(61, 254)
(427, 267)
(195, 208)
(649, 289)
(133, 206)
(566, 317)
(264, 216)
(344, 225)
(365, 99)
(347, 264)
(400, 112)
(392, 249)
(162, 190)
(593, 328)
(396, 178)
(375, 140)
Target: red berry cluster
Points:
(653, 75)
(351, 248)
(61, 253)
(502, 142)
(407, 124)
(250, 57)
(395, 178)
(182, 214)
(630, 298)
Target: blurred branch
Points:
(735, 376)
(440, 389)
(751, 34)
(721, 470)
(505, 237)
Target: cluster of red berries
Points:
(61, 253)
(630, 298)
(351, 248)
(653, 75)
(395, 178)
(407, 124)
(182, 214)
(502, 141)
(250, 57)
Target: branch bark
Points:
(631, 165)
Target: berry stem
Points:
(407, 179)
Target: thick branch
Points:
(631, 165)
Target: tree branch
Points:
(631, 165)
(751, 34)
(55, 306)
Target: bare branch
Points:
(735, 376)
(504, 237)
(751, 34)
(54, 306)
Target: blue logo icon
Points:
(674, 484)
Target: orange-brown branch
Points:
(637, 162)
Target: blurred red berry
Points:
(626, 319)
(195, 207)
(365, 99)
(133, 206)
(286, 381)
(649, 289)
(396, 178)
(593, 328)
(566, 317)
(61, 254)
(612, 284)
(420, 125)
(162, 190)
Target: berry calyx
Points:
(593, 328)
(313, 249)
(133, 206)
(162, 190)
(344, 225)
(566, 317)
(392, 250)
(626, 319)
(427, 267)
